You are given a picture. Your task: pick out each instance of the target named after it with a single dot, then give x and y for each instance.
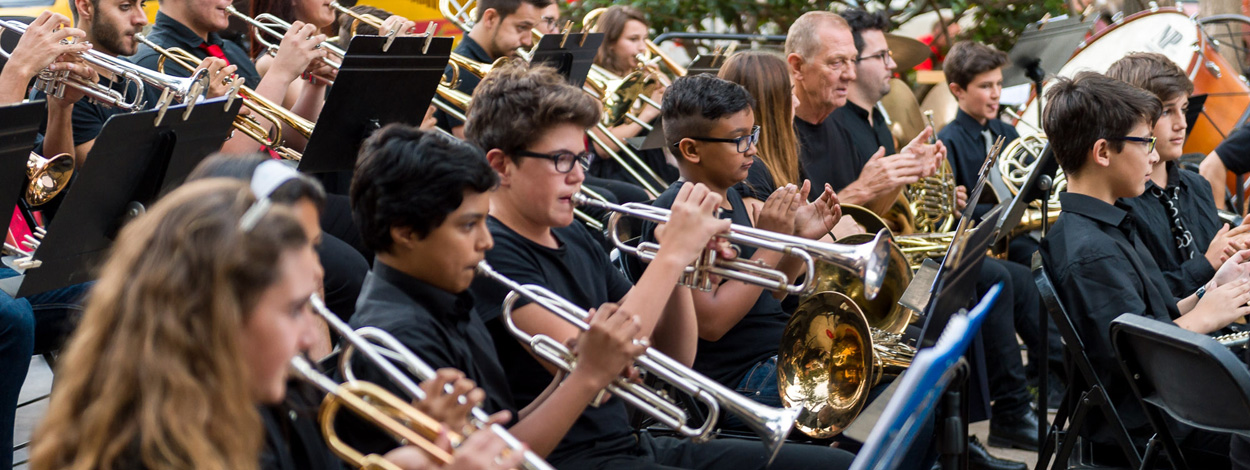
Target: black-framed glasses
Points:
(880, 55)
(564, 160)
(1149, 141)
(549, 22)
(743, 143)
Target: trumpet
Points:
(186, 90)
(265, 24)
(397, 418)
(377, 355)
(368, 19)
(772, 424)
(47, 177)
(248, 125)
(867, 261)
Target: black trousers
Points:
(645, 451)
(1008, 388)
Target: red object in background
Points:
(928, 63)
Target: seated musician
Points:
(531, 124)
(421, 200)
(1233, 154)
(192, 25)
(975, 73)
(1175, 217)
(1101, 268)
(1012, 420)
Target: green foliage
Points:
(1000, 22)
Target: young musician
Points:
(502, 27)
(821, 53)
(975, 73)
(1175, 217)
(532, 125)
(767, 78)
(1100, 266)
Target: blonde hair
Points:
(767, 77)
(154, 376)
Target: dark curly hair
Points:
(517, 103)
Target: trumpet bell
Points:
(824, 364)
(47, 177)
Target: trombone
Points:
(868, 261)
(772, 424)
(186, 90)
(248, 125)
(393, 348)
(265, 24)
(373, 403)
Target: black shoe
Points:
(980, 459)
(1018, 430)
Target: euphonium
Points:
(373, 403)
(47, 177)
(772, 424)
(867, 261)
(830, 358)
(260, 106)
(393, 350)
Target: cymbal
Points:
(906, 121)
(907, 52)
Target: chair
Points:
(1085, 391)
(1163, 362)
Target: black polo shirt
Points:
(468, 81)
(870, 127)
(965, 144)
(1234, 151)
(89, 117)
(580, 271)
(1101, 269)
(758, 185)
(1154, 225)
(755, 337)
(167, 32)
(827, 154)
(293, 438)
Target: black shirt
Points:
(293, 440)
(1234, 151)
(1101, 269)
(468, 81)
(856, 121)
(759, 183)
(827, 154)
(755, 337)
(441, 328)
(580, 271)
(965, 145)
(1154, 226)
(167, 33)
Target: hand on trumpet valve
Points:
(607, 350)
(300, 47)
(450, 397)
(320, 73)
(691, 224)
(48, 37)
(71, 64)
(405, 26)
(220, 76)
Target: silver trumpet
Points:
(868, 261)
(186, 90)
(772, 424)
(392, 349)
(270, 28)
(1234, 340)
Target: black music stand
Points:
(1043, 46)
(131, 165)
(570, 54)
(373, 89)
(19, 124)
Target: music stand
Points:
(1043, 46)
(1194, 112)
(932, 371)
(570, 54)
(709, 64)
(19, 124)
(373, 89)
(130, 165)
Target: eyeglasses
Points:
(743, 143)
(564, 159)
(1149, 141)
(549, 22)
(880, 55)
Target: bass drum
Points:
(1170, 32)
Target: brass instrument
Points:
(932, 199)
(186, 90)
(882, 312)
(830, 358)
(368, 19)
(867, 261)
(459, 13)
(265, 23)
(1234, 340)
(1017, 161)
(260, 106)
(916, 247)
(772, 424)
(392, 350)
(376, 405)
(47, 177)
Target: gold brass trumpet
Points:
(373, 403)
(265, 25)
(47, 177)
(772, 424)
(867, 261)
(260, 106)
(392, 350)
(368, 19)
